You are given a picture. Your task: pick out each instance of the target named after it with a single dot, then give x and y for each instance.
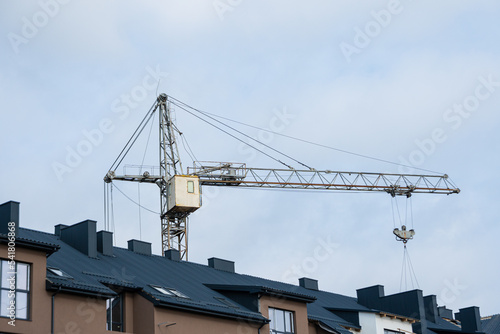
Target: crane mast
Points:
(177, 190)
(173, 225)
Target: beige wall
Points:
(73, 314)
(299, 309)
(128, 312)
(40, 304)
(313, 329)
(193, 323)
(78, 315)
(143, 316)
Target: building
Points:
(75, 281)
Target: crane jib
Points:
(328, 186)
(264, 182)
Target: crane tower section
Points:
(173, 222)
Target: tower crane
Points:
(180, 192)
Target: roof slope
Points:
(129, 270)
(443, 325)
(491, 324)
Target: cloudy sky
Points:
(411, 82)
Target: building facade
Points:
(76, 281)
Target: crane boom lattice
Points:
(180, 194)
(173, 226)
(227, 174)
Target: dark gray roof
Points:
(206, 288)
(49, 248)
(202, 284)
(332, 325)
(491, 324)
(263, 289)
(443, 325)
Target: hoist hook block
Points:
(403, 234)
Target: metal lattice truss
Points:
(234, 174)
(229, 174)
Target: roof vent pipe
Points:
(173, 254)
(445, 313)
(105, 242)
(9, 217)
(139, 247)
(431, 309)
(470, 319)
(370, 296)
(81, 236)
(308, 283)
(221, 264)
(58, 228)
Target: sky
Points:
(412, 83)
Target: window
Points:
(57, 272)
(169, 292)
(114, 314)
(191, 187)
(15, 287)
(281, 321)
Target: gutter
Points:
(258, 330)
(52, 311)
(39, 246)
(249, 318)
(213, 313)
(59, 288)
(258, 303)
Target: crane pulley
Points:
(177, 202)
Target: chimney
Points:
(81, 236)
(408, 304)
(173, 254)
(445, 313)
(139, 247)
(370, 297)
(9, 217)
(105, 243)
(58, 228)
(470, 319)
(308, 283)
(221, 264)
(431, 310)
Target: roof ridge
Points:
(32, 230)
(486, 317)
(298, 286)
